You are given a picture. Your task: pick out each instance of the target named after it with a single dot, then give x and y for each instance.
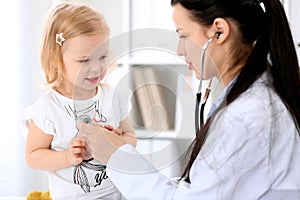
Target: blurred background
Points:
(21, 76)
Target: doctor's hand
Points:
(101, 141)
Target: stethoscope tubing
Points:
(200, 122)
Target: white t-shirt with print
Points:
(56, 115)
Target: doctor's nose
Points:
(180, 49)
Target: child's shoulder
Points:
(40, 107)
(47, 99)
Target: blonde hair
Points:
(70, 19)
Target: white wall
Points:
(294, 15)
(19, 79)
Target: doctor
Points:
(249, 147)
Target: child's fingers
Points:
(78, 150)
(108, 127)
(75, 155)
(77, 160)
(118, 131)
(95, 121)
(77, 142)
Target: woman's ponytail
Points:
(283, 57)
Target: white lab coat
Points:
(252, 152)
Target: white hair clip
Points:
(59, 39)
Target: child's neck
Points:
(76, 94)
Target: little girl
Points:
(75, 58)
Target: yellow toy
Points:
(37, 195)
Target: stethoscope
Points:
(199, 93)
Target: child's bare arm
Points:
(39, 155)
(125, 130)
(128, 132)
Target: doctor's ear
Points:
(221, 30)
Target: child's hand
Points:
(76, 151)
(100, 140)
(116, 131)
(127, 137)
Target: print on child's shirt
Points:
(80, 177)
(80, 174)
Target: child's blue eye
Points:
(102, 57)
(84, 61)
